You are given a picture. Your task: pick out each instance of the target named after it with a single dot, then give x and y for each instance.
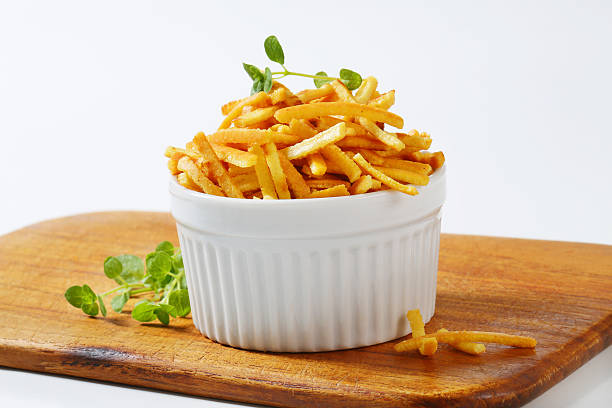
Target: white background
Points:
(517, 94)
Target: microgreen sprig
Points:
(161, 276)
(262, 80)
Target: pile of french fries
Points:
(469, 342)
(317, 143)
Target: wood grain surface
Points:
(557, 292)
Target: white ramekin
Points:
(309, 275)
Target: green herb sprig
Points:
(164, 281)
(262, 80)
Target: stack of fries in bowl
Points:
(334, 232)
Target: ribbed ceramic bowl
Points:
(309, 275)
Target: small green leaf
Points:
(166, 247)
(102, 306)
(351, 79)
(257, 87)
(168, 309)
(162, 316)
(159, 265)
(177, 263)
(89, 296)
(144, 311)
(132, 268)
(180, 300)
(253, 72)
(320, 82)
(274, 51)
(90, 308)
(112, 267)
(74, 296)
(267, 81)
(118, 302)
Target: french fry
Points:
(334, 154)
(302, 128)
(185, 181)
(251, 136)
(296, 182)
(415, 139)
(253, 100)
(342, 91)
(383, 178)
(352, 129)
(187, 165)
(416, 323)
(278, 177)
(170, 150)
(173, 163)
(387, 138)
(309, 95)
(227, 107)
(435, 160)
(263, 174)
(326, 183)
(235, 170)
(234, 156)
(428, 346)
(365, 90)
(278, 95)
(384, 101)
(467, 347)
(377, 160)
(255, 116)
(358, 142)
(216, 168)
(317, 164)
(451, 337)
(362, 185)
(313, 144)
(246, 182)
(309, 111)
(405, 176)
(336, 191)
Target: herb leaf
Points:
(257, 87)
(119, 301)
(132, 269)
(90, 308)
(267, 81)
(253, 72)
(102, 306)
(144, 311)
(274, 51)
(162, 316)
(159, 265)
(89, 296)
(74, 296)
(320, 82)
(165, 246)
(351, 79)
(180, 300)
(112, 267)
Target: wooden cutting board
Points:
(558, 292)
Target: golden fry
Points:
(317, 164)
(467, 347)
(362, 185)
(185, 181)
(415, 139)
(278, 177)
(170, 150)
(234, 156)
(251, 136)
(313, 144)
(309, 95)
(386, 180)
(264, 176)
(308, 111)
(416, 323)
(336, 191)
(246, 182)
(326, 183)
(405, 176)
(253, 100)
(435, 160)
(255, 116)
(358, 142)
(428, 346)
(187, 165)
(451, 337)
(295, 180)
(365, 91)
(387, 138)
(334, 154)
(216, 167)
(384, 101)
(302, 128)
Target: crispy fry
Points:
(467, 347)
(365, 91)
(278, 95)
(255, 116)
(171, 150)
(264, 176)
(362, 185)
(358, 142)
(451, 337)
(251, 136)
(216, 167)
(185, 181)
(317, 164)
(384, 101)
(308, 95)
(296, 182)
(428, 346)
(253, 100)
(308, 111)
(187, 165)
(387, 138)
(344, 94)
(326, 183)
(234, 156)
(302, 128)
(352, 129)
(416, 323)
(383, 178)
(405, 176)
(235, 170)
(173, 163)
(246, 182)
(415, 139)
(278, 177)
(435, 160)
(320, 140)
(376, 159)
(334, 154)
(336, 191)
